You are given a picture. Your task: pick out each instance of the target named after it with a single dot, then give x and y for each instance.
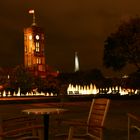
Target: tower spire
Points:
(33, 13)
(76, 62)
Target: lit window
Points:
(38, 61)
(26, 48)
(30, 37)
(37, 47)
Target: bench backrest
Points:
(13, 126)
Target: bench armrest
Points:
(133, 116)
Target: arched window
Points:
(37, 47)
(38, 61)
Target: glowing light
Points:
(30, 37)
(92, 89)
(18, 93)
(31, 11)
(76, 62)
(82, 89)
(37, 37)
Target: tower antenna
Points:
(33, 13)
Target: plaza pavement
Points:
(115, 124)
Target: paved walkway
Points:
(116, 122)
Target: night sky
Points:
(70, 25)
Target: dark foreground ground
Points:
(115, 124)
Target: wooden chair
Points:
(133, 121)
(95, 122)
(21, 128)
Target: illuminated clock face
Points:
(37, 37)
(30, 37)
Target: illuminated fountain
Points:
(74, 90)
(19, 94)
(92, 89)
(82, 90)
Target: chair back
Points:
(97, 115)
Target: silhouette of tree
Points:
(134, 80)
(3, 76)
(123, 46)
(52, 84)
(81, 77)
(21, 78)
(39, 83)
(94, 74)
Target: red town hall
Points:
(34, 50)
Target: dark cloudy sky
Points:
(70, 25)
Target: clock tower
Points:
(34, 49)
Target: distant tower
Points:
(34, 48)
(76, 62)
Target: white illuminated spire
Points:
(76, 62)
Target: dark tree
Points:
(22, 78)
(123, 46)
(39, 83)
(81, 77)
(94, 74)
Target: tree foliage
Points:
(22, 79)
(123, 46)
(81, 77)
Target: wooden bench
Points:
(22, 127)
